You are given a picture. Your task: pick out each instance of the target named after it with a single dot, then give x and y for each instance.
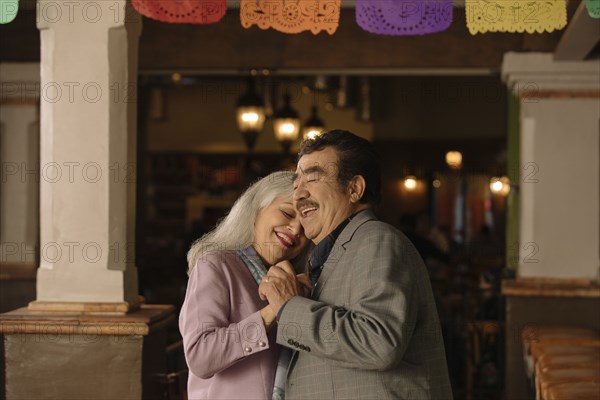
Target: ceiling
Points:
(226, 48)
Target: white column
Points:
(19, 158)
(87, 177)
(560, 170)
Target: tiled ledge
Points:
(139, 322)
(551, 287)
(87, 308)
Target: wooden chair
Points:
(535, 338)
(575, 391)
(537, 349)
(547, 362)
(551, 369)
(555, 377)
(479, 335)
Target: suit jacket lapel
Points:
(339, 248)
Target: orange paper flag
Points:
(182, 11)
(291, 16)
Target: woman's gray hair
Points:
(236, 230)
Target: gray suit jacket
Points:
(372, 330)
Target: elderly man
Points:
(370, 329)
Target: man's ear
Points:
(356, 188)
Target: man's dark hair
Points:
(356, 156)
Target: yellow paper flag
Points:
(515, 15)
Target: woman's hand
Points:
(281, 284)
(268, 316)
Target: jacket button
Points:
(248, 349)
(291, 342)
(262, 344)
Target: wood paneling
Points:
(227, 45)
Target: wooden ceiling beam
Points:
(580, 37)
(227, 45)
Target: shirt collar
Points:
(323, 249)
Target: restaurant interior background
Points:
(194, 163)
(443, 94)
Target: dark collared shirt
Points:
(322, 251)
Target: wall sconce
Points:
(410, 182)
(500, 186)
(313, 126)
(454, 159)
(250, 115)
(286, 124)
(176, 78)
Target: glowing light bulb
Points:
(250, 117)
(454, 159)
(410, 182)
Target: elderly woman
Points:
(229, 345)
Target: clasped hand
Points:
(281, 284)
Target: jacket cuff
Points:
(280, 311)
(253, 334)
(292, 329)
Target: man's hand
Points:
(304, 285)
(281, 284)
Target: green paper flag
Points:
(593, 7)
(8, 10)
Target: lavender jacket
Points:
(227, 349)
